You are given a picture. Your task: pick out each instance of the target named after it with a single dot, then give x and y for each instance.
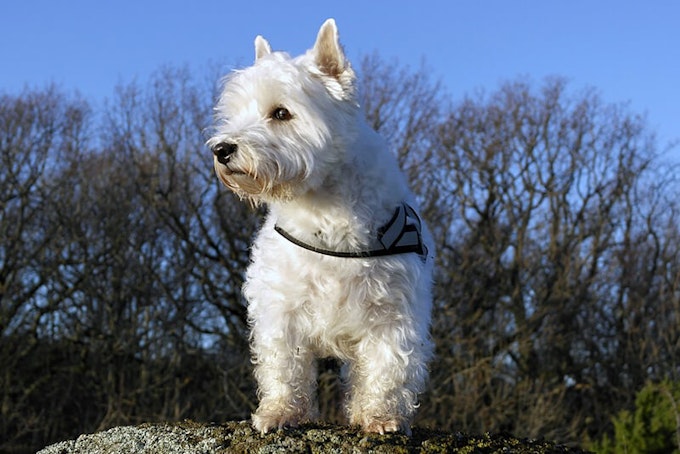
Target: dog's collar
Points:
(402, 234)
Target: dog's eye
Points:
(281, 114)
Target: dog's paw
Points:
(265, 422)
(386, 426)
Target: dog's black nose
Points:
(223, 151)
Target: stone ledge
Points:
(188, 437)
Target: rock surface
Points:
(238, 437)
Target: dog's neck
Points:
(320, 207)
(336, 216)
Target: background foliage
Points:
(557, 292)
(652, 427)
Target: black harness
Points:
(402, 234)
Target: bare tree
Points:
(546, 193)
(37, 129)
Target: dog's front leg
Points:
(286, 377)
(385, 380)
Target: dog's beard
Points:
(255, 186)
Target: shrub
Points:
(652, 427)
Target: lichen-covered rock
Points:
(239, 437)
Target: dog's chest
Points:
(327, 297)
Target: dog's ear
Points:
(328, 53)
(262, 47)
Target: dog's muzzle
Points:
(223, 151)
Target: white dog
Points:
(342, 265)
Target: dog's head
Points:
(283, 124)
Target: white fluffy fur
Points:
(329, 180)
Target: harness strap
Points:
(400, 235)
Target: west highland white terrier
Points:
(342, 265)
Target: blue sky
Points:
(629, 50)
